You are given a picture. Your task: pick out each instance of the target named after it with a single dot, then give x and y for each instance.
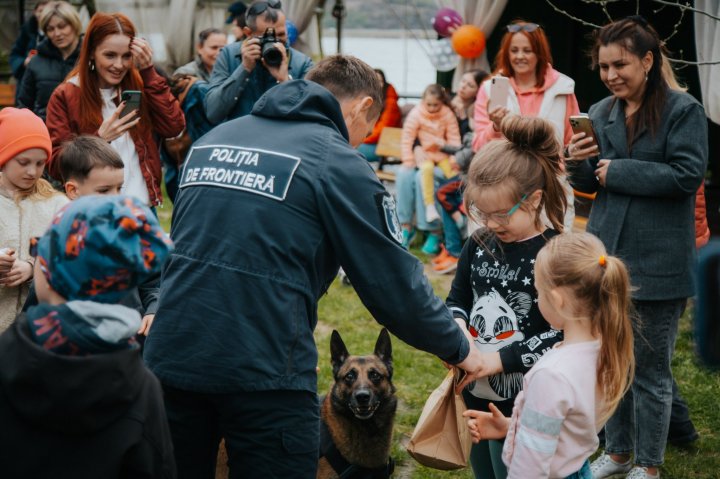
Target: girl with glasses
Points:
(536, 89)
(511, 182)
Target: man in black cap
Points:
(237, 20)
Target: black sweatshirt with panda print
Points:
(494, 293)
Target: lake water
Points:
(403, 60)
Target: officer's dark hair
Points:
(79, 156)
(348, 77)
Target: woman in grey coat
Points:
(650, 160)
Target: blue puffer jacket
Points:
(270, 205)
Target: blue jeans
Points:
(453, 236)
(409, 199)
(640, 423)
(583, 473)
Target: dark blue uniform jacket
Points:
(270, 205)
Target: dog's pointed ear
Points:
(338, 351)
(383, 348)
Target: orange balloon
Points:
(468, 41)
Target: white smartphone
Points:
(499, 91)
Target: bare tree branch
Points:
(686, 62)
(686, 6)
(675, 27)
(580, 20)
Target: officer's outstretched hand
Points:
(280, 72)
(477, 365)
(251, 53)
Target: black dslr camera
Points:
(270, 53)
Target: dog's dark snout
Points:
(362, 396)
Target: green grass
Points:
(418, 373)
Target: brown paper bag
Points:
(441, 439)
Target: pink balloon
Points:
(446, 21)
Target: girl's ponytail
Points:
(616, 362)
(601, 292)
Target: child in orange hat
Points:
(27, 202)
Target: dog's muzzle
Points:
(363, 404)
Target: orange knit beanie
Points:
(20, 130)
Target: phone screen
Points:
(132, 101)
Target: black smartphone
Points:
(581, 123)
(132, 101)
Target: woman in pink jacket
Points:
(536, 89)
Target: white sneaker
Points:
(604, 467)
(431, 213)
(639, 472)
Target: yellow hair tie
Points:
(602, 261)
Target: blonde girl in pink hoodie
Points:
(427, 128)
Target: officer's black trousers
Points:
(267, 433)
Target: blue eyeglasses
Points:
(259, 7)
(502, 219)
(527, 27)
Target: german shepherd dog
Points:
(358, 413)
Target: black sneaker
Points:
(682, 434)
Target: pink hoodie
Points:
(428, 128)
(529, 102)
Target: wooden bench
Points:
(7, 95)
(389, 151)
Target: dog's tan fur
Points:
(363, 442)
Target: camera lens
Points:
(272, 55)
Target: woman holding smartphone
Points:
(536, 88)
(114, 60)
(652, 156)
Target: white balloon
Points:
(442, 55)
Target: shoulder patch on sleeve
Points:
(388, 215)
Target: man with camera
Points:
(244, 71)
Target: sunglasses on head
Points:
(259, 7)
(527, 27)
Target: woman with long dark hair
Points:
(651, 159)
(113, 59)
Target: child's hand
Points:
(434, 147)
(7, 258)
(147, 321)
(20, 272)
(487, 425)
(458, 107)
